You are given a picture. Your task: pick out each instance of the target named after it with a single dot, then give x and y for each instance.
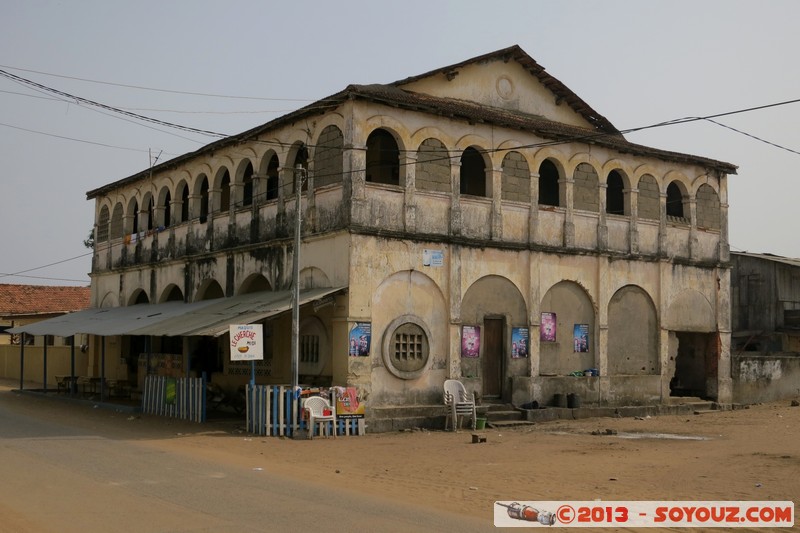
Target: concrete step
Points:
(504, 416)
(500, 424)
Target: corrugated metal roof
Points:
(770, 257)
(205, 318)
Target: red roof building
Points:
(23, 304)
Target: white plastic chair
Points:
(458, 402)
(316, 407)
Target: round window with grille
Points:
(406, 347)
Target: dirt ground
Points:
(747, 454)
(743, 454)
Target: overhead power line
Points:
(581, 138)
(139, 87)
(84, 281)
(86, 101)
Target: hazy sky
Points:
(635, 62)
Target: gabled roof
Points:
(603, 133)
(559, 90)
(27, 300)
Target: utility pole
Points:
(299, 178)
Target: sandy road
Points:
(750, 454)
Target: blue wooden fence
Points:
(273, 410)
(187, 401)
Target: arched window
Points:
(586, 189)
(301, 160)
(139, 297)
(473, 173)
(328, 157)
(210, 290)
(648, 198)
(247, 185)
(174, 294)
(204, 200)
(615, 194)
(117, 222)
(225, 192)
(548, 184)
(272, 178)
(167, 209)
(255, 283)
(708, 209)
(516, 178)
(150, 213)
(674, 201)
(184, 203)
(102, 225)
(383, 158)
(433, 167)
(135, 217)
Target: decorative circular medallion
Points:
(505, 87)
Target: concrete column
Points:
(662, 225)
(259, 188)
(310, 212)
(724, 383)
(724, 247)
(603, 298)
(355, 166)
(158, 216)
(455, 196)
(568, 184)
(194, 206)
(496, 176)
(175, 207)
(535, 318)
(533, 214)
(236, 196)
(667, 366)
(214, 200)
(454, 300)
(602, 224)
(724, 244)
(633, 196)
(408, 161)
(693, 240)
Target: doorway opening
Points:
(493, 357)
(695, 365)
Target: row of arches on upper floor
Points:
(526, 175)
(211, 289)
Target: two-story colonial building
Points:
(479, 222)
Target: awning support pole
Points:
(21, 360)
(72, 367)
(44, 365)
(298, 216)
(103, 370)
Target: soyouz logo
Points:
(644, 514)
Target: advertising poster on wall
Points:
(470, 341)
(519, 342)
(348, 403)
(548, 328)
(247, 342)
(360, 339)
(581, 337)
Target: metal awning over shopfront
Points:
(205, 318)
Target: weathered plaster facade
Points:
(533, 201)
